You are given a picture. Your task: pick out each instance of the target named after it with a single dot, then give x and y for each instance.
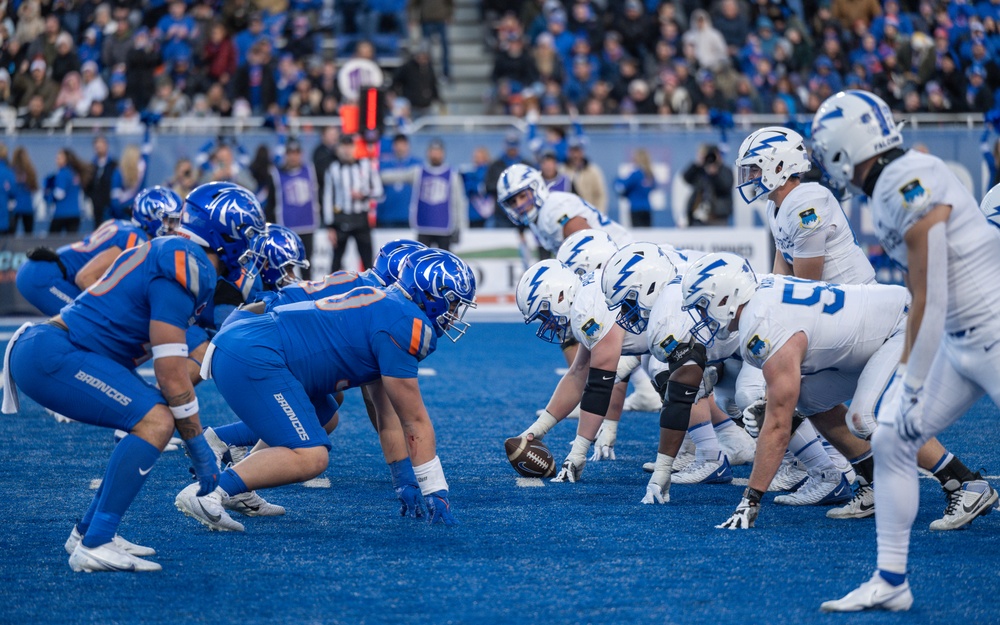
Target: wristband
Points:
(185, 410)
(753, 496)
(169, 350)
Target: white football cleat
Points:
(218, 447)
(843, 464)
(108, 557)
(643, 399)
(820, 489)
(789, 476)
(206, 510)
(862, 506)
(58, 417)
(251, 504)
(570, 472)
(705, 472)
(974, 498)
(738, 446)
(119, 542)
(875, 594)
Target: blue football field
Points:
(547, 553)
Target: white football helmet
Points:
(512, 182)
(991, 206)
(714, 288)
(851, 127)
(632, 280)
(545, 293)
(586, 250)
(767, 159)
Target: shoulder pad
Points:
(413, 333)
(184, 262)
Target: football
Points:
(530, 458)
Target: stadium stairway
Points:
(471, 62)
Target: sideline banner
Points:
(12, 256)
(494, 254)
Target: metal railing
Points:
(632, 123)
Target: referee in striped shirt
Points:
(350, 185)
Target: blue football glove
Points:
(206, 469)
(438, 508)
(410, 500)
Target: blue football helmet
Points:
(274, 255)
(443, 286)
(157, 210)
(390, 259)
(223, 217)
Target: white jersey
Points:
(844, 324)
(670, 326)
(811, 223)
(908, 188)
(556, 212)
(590, 320)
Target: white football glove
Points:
(570, 471)
(753, 416)
(710, 378)
(744, 517)
(909, 421)
(658, 489)
(604, 446)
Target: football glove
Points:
(206, 469)
(909, 421)
(570, 471)
(753, 417)
(744, 517)
(410, 501)
(439, 509)
(658, 488)
(604, 446)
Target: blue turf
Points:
(563, 553)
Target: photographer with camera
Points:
(711, 202)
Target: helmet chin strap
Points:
(876, 170)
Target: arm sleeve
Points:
(328, 197)
(170, 303)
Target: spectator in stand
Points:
(351, 185)
(71, 174)
(581, 81)
(394, 209)
(99, 189)
(94, 88)
(255, 81)
(562, 40)
(65, 59)
(247, 39)
(7, 183)
(115, 48)
(36, 83)
(416, 81)
(175, 31)
(636, 187)
(434, 17)
(850, 12)
(6, 96)
(900, 21)
(70, 97)
(140, 69)
(218, 57)
(35, 118)
(584, 22)
(634, 28)
(586, 177)
(952, 82)
(515, 64)
(549, 64)
(30, 23)
(708, 96)
(711, 181)
(25, 189)
(978, 97)
(709, 46)
(732, 21)
(45, 44)
(510, 156)
(90, 48)
(481, 205)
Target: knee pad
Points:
(676, 412)
(597, 394)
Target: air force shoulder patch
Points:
(758, 347)
(808, 219)
(591, 327)
(914, 194)
(563, 220)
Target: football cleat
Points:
(218, 447)
(108, 557)
(119, 542)
(643, 399)
(843, 464)
(705, 472)
(789, 476)
(251, 504)
(570, 472)
(206, 510)
(860, 507)
(58, 417)
(820, 489)
(974, 498)
(738, 446)
(875, 594)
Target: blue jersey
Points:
(352, 339)
(168, 279)
(120, 233)
(66, 194)
(336, 283)
(228, 297)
